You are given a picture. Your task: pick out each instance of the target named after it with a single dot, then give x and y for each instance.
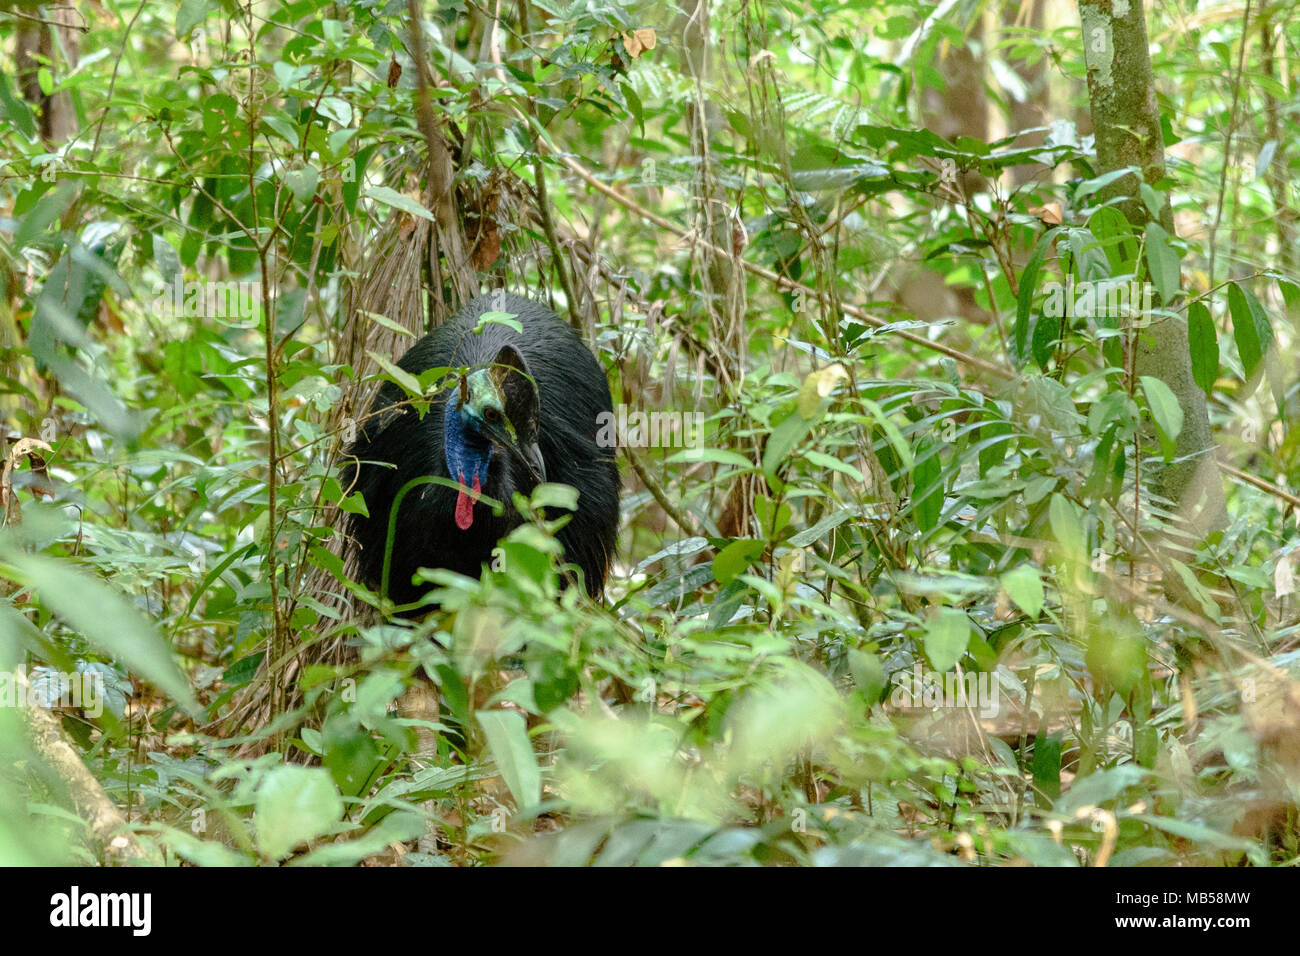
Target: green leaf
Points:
(290, 74)
(294, 805)
(995, 440)
(947, 635)
(868, 674)
(1203, 340)
(302, 182)
(397, 827)
(1162, 262)
(508, 319)
(717, 456)
(1047, 769)
(385, 322)
(1100, 787)
(1153, 200)
(1265, 157)
(283, 127)
(1047, 332)
(15, 111)
(834, 464)
(165, 257)
(1090, 186)
(895, 437)
(1115, 234)
(927, 488)
(726, 603)
(1166, 411)
(1116, 655)
(354, 177)
(1199, 833)
(1197, 590)
(340, 111)
(552, 495)
(391, 197)
(1067, 526)
(682, 548)
(190, 15)
(399, 375)
(507, 739)
(1251, 329)
(634, 105)
(1025, 587)
(780, 443)
(733, 560)
(819, 530)
(47, 209)
(106, 620)
(673, 588)
(1025, 297)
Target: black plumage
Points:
(525, 410)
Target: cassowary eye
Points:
(492, 416)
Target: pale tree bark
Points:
(105, 826)
(1035, 109)
(57, 43)
(1127, 129)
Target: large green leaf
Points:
(106, 620)
(1067, 526)
(780, 443)
(391, 197)
(294, 805)
(1203, 340)
(1025, 297)
(1162, 262)
(1166, 412)
(947, 635)
(1251, 329)
(735, 558)
(1025, 587)
(507, 739)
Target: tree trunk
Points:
(1127, 129)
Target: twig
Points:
(657, 491)
(52, 23)
(784, 284)
(1261, 484)
(102, 817)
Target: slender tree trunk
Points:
(1035, 109)
(1127, 128)
(59, 44)
(1285, 217)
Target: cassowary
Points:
(524, 411)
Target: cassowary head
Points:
(492, 416)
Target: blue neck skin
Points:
(467, 454)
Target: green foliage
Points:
(892, 608)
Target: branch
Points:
(101, 815)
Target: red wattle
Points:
(465, 502)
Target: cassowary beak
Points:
(531, 456)
(527, 454)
